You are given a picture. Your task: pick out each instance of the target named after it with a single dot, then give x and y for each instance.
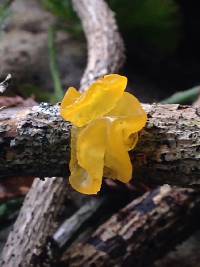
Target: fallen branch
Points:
(141, 232)
(36, 223)
(36, 142)
(4, 84)
(72, 224)
(27, 248)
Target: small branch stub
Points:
(4, 84)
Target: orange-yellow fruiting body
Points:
(106, 121)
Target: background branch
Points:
(36, 141)
(36, 223)
(105, 45)
(141, 232)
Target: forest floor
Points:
(24, 54)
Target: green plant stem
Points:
(4, 9)
(5, 6)
(58, 92)
(9, 207)
(183, 97)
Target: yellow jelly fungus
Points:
(99, 99)
(106, 121)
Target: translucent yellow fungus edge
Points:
(106, 121)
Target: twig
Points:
(5, 83)
(71, 225)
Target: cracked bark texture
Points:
(141, 232)
(37, 221)
(36, 142)
(25, 246)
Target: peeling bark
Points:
(36, 142)
(141, 232)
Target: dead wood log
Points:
(29, 249)
(44, 129)
(37, 221)
(141, 232)
(35, 142)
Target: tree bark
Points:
(27, 244)
(36, 223)
(105, 45)
(141, 232)
(36, 142)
